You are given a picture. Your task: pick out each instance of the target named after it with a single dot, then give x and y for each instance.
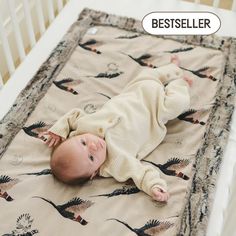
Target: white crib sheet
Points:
(135, 9)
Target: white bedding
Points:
(136, 9)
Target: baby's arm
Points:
(145, 177)
(66, 123)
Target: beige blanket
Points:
(96, 58)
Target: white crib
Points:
(219, 223)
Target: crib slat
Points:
(6, 48)
(40, 16)
(59, 5)
(50, 10)
(29, 23)
(234, 5)
(18, 37)
(216, 3)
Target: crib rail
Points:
(217, 3)
(20, 32)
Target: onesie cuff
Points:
(59, 131)
(170, 72)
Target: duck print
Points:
(108, 75)
(23, 227)
(128, 36)
(151, 228)
(89, 45)
(68, 85)
(36, 129)
(172, 167)
(192, 116)
(104, 95)
(43, 172)
(72, 209)
(111, 72)
(204, 72)
(142, 60)
(125, 190)
(7, 183)
(180, 50)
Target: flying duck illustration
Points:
(37, 128)
(23, 226)
(204, 72)
(43, 172)
(68, 85)
(151, 228)
(104, 95)
(128, 36)
(72, 209)
(125, 190)
(180, 50)
(172, 167)
(142, 60)
(108, 75)
(89, 45)
(7, 183)
(192, 116)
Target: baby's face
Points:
(89, 153)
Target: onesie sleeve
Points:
(175, 101)
(123, 167)
(67, 123)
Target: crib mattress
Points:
(97, 57)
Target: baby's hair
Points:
(55, 172)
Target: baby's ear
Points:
(94, 174)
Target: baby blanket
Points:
(97, 57)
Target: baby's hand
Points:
(53, 139)
(159, 195)
(188, 80)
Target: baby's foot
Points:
(188, 80)
(159, 195)
(175, 59)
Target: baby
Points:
(112, 141)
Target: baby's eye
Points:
(83, 142)
(91, 158)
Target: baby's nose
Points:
(93, 146)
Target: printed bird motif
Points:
(36, 129)
(142, 60)
(72, 209)
(151, 228)
(192, 116)
(23, 226)
(125, 190)
(204, 72)
(180, 50)
(172, 167)
(89, 45)
(128, 36)
(43, 172)
(104, 95)
(68, 85)
(7, 183)
(108, 75)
